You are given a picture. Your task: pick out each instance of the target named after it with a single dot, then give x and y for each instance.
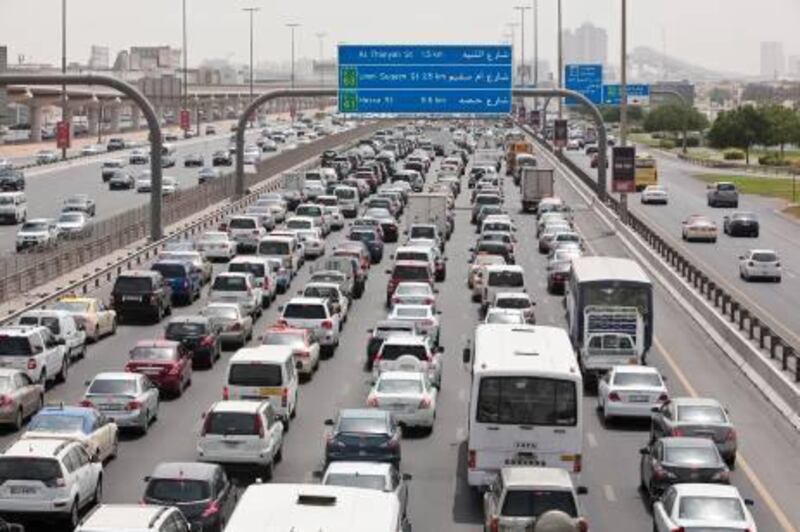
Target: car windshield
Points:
(701, 414)
(369, 425)
(527, 401)
(533, 503)
(230, 283)
(399, 386)
(765, 256)
(70, 218)
(246, 374)
(363, 236)
(72, 306)
(504, 317)
(153, 353)
(177, 490)
(257, 269)
(412, 255)
(296, 223)
(308, 311)
(356, 480)
(706, 456)
(242, 223)
(322, 292)
(273, 247)
(413, 290)
(34, 226)
(743, 216)
(637, 379)
(57, 423)
(411, 273)
(28, 468)
(726, 187)
(133, 284)
(113, 387)
(506, 278)
(711, 509)
(185, 329)
(309, 211)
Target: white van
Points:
(284, 248)
(13, 207)
(348, 200)
(317, 507)
(525, 406)
(501, 278)
(264, 373)
(62, 326)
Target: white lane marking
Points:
(608, 490)
(591, 439)
(461, 434)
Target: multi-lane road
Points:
(440, 499)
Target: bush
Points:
(666, 144)
(657, 135)
(692, 142)
(772, 160)
(733, 155)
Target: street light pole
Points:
(185, 104)
(522, 10)
(251, 11)
(513, 27)
(321, 36)
(623, 87)
(292, 26)
(560, 61)
(63, 68)
(536, 50)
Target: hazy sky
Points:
(719, 34)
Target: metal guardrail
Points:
(757, 328)
(29, 270)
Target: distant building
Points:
(794, 66)
(684, 88)
(5, 115)
(586, 44)
(99, 58)
(773, 63)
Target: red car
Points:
(354, 248)
(166, 363)
(407, 270)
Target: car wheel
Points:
(18, 419)
(146, 425)
(114, 327)
(268, 471)
(114, 447)
(62, 375)
(73, 517)
(96, 334)
(98, 491)
(279, 454)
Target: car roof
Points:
(695, 401)
(411, 339)
(525, 476)
(188, 318)
(49, 447)
(512, 295)
(371, 413)
(263, 353)
(307, 301)
(636, 369)
(402, 375)
(122, 517)
(361, 468)
(245, 407)
(117, 376)
(490, 268)
(157, 343)
(69, 410)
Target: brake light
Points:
(265, 284)
(327, 324)
(282, 322)
(395, 300)
(583, 525)
(663, 398)
(86, 403)
(174, 369)
(425, 403)
(372, 401)
(186, 283)
(31, 363)
(225, 393)
(55, 483)
(427, 323)
(6, 400)
(677, 433)
(236, 326)
(614, 396)
(577, 464)
(207, 341)
(471, 459)
(393, 443)
(259, 426)
(211, 509)
(133, 405)
(429, 301)
(494, 525)
(302, 353)
(730, 435)
(285, 397)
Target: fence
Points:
(25, 271)
(758, 329)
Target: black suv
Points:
(141, 292)
(221, 158)
(115, 144)
(11, 179)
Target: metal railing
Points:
(25, 271)
(758, 329)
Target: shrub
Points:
(666, 144)
(692, 142)
(733, 155)
(772, 160)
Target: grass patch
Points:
(793, 210)
(760, 186)
(644, 138)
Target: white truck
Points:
(612, 336)
(428, 208)
(293, 181)
(536, 184)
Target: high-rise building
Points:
(5, 116)
(794, 66)
(773, 63)
(99, 58)
(586, 44)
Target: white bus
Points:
(525, 406)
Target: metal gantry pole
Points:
(321, 36)
(535, 49)
(623, 101)
(522, 10)
(250, 11)
(64, 69)
(560, 60)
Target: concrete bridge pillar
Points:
(35, 114)
(136, 117)
(114, 112)
(93, 118)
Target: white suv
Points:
(240, 288)
(49, 476)
(34, 350)
(242, 432)
(134, 518)
(318, 316)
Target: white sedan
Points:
(654, 194)
(216, 245)
(414, 294)
(505, 315)
(699, 227)
(702, 506)
(760, 264)
(336, 217)
(313, 243)
(425, 318)
(407, 395)
(630, 391)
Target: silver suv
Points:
(722, 194)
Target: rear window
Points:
(370, 425)
(411, 273)
(513, 302)
(711, 509)
(170, 271)
(765, 257)
(488, 200)
(185, 329)
(701, 414)
(51, 323)
(637, 379)
(19, 468)
(177, 490)
(242, 223)
(153, 353)
(305, 311)
(244, 374)
(370, 482)
(692, 456)
(727, 187)
(423, 232)
(15, 346)
(533, 503)
(309, 211)
(363, 236)
(345, 193)
(133, 284)
(113, 387)
(509, 279)
(231, 423)
(248, 267)
(273, 247)
(412, 255)
(295, 223)
(230, 284)
(395, 351)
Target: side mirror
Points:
(466, 354)
(147, 478)
(280, 308)
(317, 475)
(741, 257)
(407, 477)
(644, 451)
(87, 383)
(581, 490)
(328, 422)
(655, 410)
(440, 349)
(749, 502)
(388, 272)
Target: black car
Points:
(363, 434)
(741, 224)
(676, 460)
(115, 144)
(141, 292)
(121, 180)
(198, 336)
(202, 492)
(193, 159)
(11, 180)
(221, 158)
(328, 156)
(293, 198)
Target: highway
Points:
(47, 187)
(440, 499)
(778, 232)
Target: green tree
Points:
(718, 95)
(672, 117)
(611, 113)
(782, 124)
(740, 128)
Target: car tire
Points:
(113, 327)
(267, 471)
(97, 498)
(279, 455)
(64, 373)
(146, 425)
(114, 448)
(73, 517)
(18, 420)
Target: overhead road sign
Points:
(420, 79)
(637, 94)
(586, 79)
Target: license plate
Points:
(638, 399)
(22, 490)
(362, 453)
(266, 392)
(131, 298)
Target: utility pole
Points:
(522, 10)
(251, 11)
(292, 26)
(320, 36)
(63, 68)
(560, 62)
(185, 104)
(623, 102)
(536, 50)
(512, 26)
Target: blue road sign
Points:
(397, 79)
(586, 79)
(637, 94)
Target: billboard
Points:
(623, 177)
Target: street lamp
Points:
(64, 68)
(560, 60)
(320, 36)
(522, 10)
(185, 98)
(251, 11)
(292, 26)
(536, 49)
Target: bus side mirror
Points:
(466, 353)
